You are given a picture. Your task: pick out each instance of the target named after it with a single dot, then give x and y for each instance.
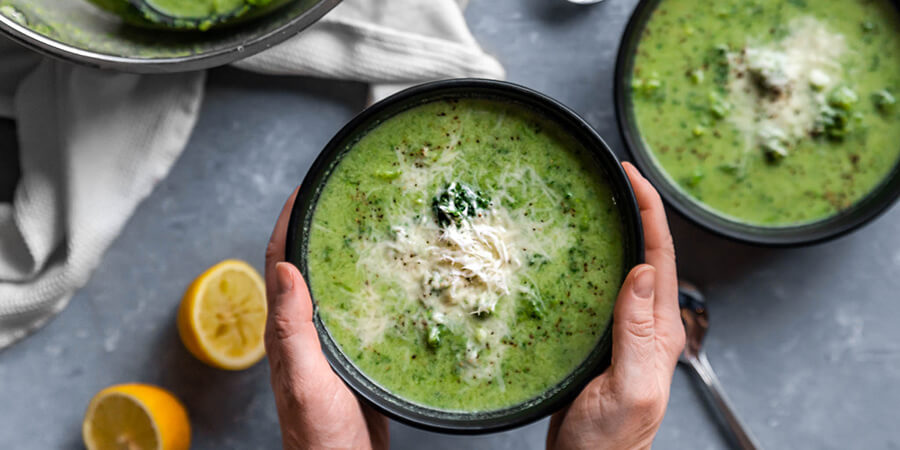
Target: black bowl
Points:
(302, 214)
(863, 211)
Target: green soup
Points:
(189, 14)
(199, 8)
(771, 112)
(466, 254)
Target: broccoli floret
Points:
(833, 123)
(767, 69)
(434, 335)
(884, 101)
(697, 76)
(456, 203)
(842, 98)
(774, 143)
(649, 87)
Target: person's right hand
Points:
(623, 407)
(316, 410)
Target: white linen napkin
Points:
(94, 143)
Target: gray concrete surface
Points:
(805, 340)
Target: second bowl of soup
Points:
(769, 121)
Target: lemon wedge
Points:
(136, 417)
(222, 316)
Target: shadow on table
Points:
(705, 258)
(560, 12)
(9, 160)
(343, 92)
(216, 400)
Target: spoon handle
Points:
(704, 372)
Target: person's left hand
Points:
(624, 406)
(315, 408)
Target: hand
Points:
(315, 409)
(623, 407)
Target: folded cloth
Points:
(94, 143)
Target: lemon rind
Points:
(215, 357)
(109, 392)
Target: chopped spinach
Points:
(537, 259)
(717, 62)
(730, 168)
(531, 306)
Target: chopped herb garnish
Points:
(531, 305)
(456, 203)
(537, 259)
(729, 168)
(717, 61)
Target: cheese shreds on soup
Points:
(465, 254)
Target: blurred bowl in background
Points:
(860, 213)
(79, 31)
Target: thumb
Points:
(633, 323)
(291, 339)
(290, 306)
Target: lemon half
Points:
(222, 316)
(136, 417)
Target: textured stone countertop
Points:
(805, 340)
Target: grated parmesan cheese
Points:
(459, 271)
(795, 73)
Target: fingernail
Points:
(283, 277)
(644, 282)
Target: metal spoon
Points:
(696, 322)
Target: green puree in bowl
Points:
(771, 112)
(466, 254)
(188, 14)
(202, 8)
